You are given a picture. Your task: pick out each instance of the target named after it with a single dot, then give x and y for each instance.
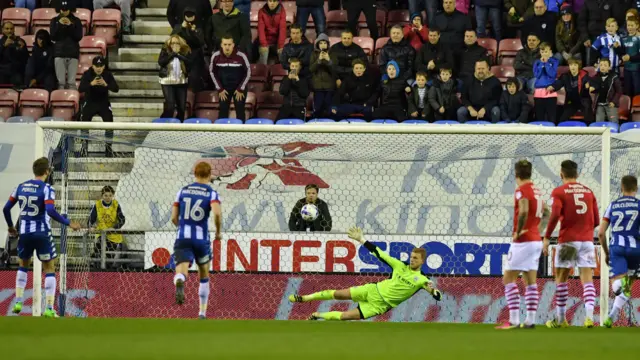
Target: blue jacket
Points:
(553, 5)
(545, 73)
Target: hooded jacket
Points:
(40, 64)
(194, 38)
(574, 86)
(322, 72)
(568, 40)
(295, 92)
(235, 23)
(66, 37)
(611, 86)
(272, 26)
(545, 73)
(302, 51)
(13, 58)
(343, 56)
(523, 63)
(438, 53)
(482, 93)
(176, 9)
(514, 107)
(392, 90)
(403, 55)
(355, 90)
(97, 94)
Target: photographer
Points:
(322, 223)
(295, 90)
(175, 62)
(190, 31)
(13, 56)
(66, 33)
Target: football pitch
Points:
(114, 339)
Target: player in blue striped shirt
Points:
(36, 199)
(190, 213)
(624, 256)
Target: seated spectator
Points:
(576, 87)
(315, 8)
(491, 9)
(230, 71)
(517, 11)
(542, 23)
(481, 97)
(41, 71)
(299, 48)
(228, 21)
(322, 223)
(443, 95)
(545, 97)
(398, 49)
(189, 31)
(272, 30)
(175, 12)
(66, 33)
(419, 107)
(609, 44)
(393, 100)
(416, 33)
(13, 56)
(125, 10)
(567, 37)
(631, 58)
(358, 93)
(29, 4)
(323, 78)
(175, 62)
(607, 89)
(295, 90)
(433, 55)
(106, 214)
(468, 55)
(452, 24)
(523, 63)
(514, 103)
(343, 54)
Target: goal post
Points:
(446, 188)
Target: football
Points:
(309, 212)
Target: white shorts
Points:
(524, 256)
(586, 255)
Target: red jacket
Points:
(272, 28)
(416, 39)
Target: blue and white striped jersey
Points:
(195, 202)
(33, 197)
(622, 214)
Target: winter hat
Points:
(395, 65)
(565, 9)
(415, 15)
(322, 37)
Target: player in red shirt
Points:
(530, 218)
(576, 207)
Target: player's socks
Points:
(50, 289)
(620, 301)
(331, 315)
(177, 277)
(562, 294)
(512, 294)
(320, 295)
(179, 280)
(589, 298)
(21, 283)
(531, 301)
(203, 293)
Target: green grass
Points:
(113, 339)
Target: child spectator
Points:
(606, 85)
(631, 58)
(416, 33)
(545, 97)
(609, 44)
(577, 99)
(295, 89)
(357, 94)
(419, 99)
(514, 104)
(323, 79)
(272, 30)
(443, 95)
(393, 100)
(567, 37)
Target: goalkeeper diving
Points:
(378, 298)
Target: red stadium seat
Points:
(591, 70)
(259, 72)
(85, 18)
(290, 8)
(256, 87)
(257, 5)
(106, 24)
(64, 104)
(270, 100)
(380, 43)
(8, 103)
(366, 43)
(29, 39)
(277, 73)
(41, 19)
(503, 73)
(635, 107)
(333, 40)
(33, 103)
(398, 17)
(206, 105)
(624, 108)
(253, 18)
(363, 28)
(90, 47)
(509, 48)
(336, 22)
(82, 68)
(20, 17)
(491, 45)
(562, 70)
(507, 61)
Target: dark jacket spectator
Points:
(342, 55)
(444, 94)
(416, 33)
(358, 90)
(322, 71)
(577, 97)
(522, 9)
(66, 38)
(433, 50)
(542, 23)
(482, 93)
(40, 68)
(295, 92)
(300, 50)
(13, 56)
(452, 25)
(468, 54)
(400, 52)
(419, 102)
(525, 58)
(97, 94)
(230, 72)
(272, 26)
(176, 9)
(194, 37)
(228, 21)
(608, 87)
(514, 107)
(568, 43)
(393, 101)
(322, 223)
(243, 5)
(592, 18)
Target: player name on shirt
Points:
(576, 189)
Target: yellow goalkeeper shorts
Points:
(370, 303)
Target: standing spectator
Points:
(295, 90)
(443, 96)
(575, 84)
(176, 8)
(343, 54)
(228, 21)
(419, 107)
(433, 55)
(468, 56)
(606, 85)
(491, 9)
(175, 63)
(125, 11)
(514, 103)
(609, 44)
(193, 35)
(272, 30)
(40, 68)
(430, 6)
(393, 100)
(322, 223)
(315, 8)
(631, 58)
(29, 4)
(567, 37)
(452, 25)
(398, 50)
(542, 23)
(416, 33)
(13, 56)
(523, 63)
(106, 214)
(481, 97)
(517, 11)
(230, 71)
(66, 32)
(298, 47)
(545, 97)
(630, 14)
(323, 78)
(357, 94)
(554, 6)
(591, 20)
(368, 8)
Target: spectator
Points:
(607, 88)
(106, 214)
(430, 6)
(322, 223)
(542, 23)
(419, 107)
(480, 98)
(176, 8)
(468, 55)
(554, 6)
(41, 71)
(368, 8)
(517, 11)
(609, 44)
(228, 21)
(398, 50)
(523, 64)
(433, 55)
(315, 8)
(567, 37)
(443, 96)
(491, 9)
(96, 84)
(631, 58)
(343, 54)
(452, 25)
(591, 22)
(29, 4)
(66, 33)
(393, 100)
(545, 97)
(575, 84)
(295, 90)
(175, 62)
(230, 71)
(323, 78)
(272, 30)
(298, 47)
(514, 103)
(193, 35)
(357, 94)
(630, 14)
(125, 10)
(416, 33)
(13, 56)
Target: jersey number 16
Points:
(195, 212)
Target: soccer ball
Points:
(309, 212)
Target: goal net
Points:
(446, 189)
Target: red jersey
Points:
(575, 206)
(529, 192)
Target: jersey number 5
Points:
(195, 212)
(581, 206)
(28, 206)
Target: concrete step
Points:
(145, 39)
(116, 66)
(152, 27)
(139, 54)
(135, 119)
(137, 109)
(153, 14)
(139, 94)
(146, 82)
(157, 4)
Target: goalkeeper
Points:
(376, 299)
